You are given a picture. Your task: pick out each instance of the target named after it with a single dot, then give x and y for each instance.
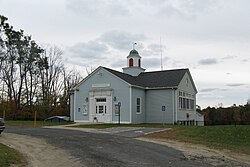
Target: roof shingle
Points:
(156, 79)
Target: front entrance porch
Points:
(100, 106)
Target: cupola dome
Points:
(133, 63)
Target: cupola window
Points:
(131, 62)
(139, 62)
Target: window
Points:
(187, 82)
(139, 62)
(131, 62)
(101, 100)
(180, 102)
(100, 109)
(138, 105)
(186, 101)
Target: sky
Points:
(210, 37)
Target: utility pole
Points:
(161, 55)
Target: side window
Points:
(131, 62)
(138, 105)
(186, 101)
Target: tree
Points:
(34, 76)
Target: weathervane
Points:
(134, 45)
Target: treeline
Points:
(225, 116)
(33, 78)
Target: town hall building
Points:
(135, 96)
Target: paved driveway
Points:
(107, 149)
(132, 131)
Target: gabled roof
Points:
(156, 79)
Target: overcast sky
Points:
(210, 37)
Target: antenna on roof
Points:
(161, 55)
(134, 45)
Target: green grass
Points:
(235, 138)
(31, 123)
(10, 156)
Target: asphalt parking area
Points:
(131, 131)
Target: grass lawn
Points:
(236, 138)
(220, 137)
(10, 156)
(31, 123)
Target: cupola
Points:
(133, 64)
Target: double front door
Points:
(102, 110)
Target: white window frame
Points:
(138, 106)
(185, 101)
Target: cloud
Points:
(229, 57)
(151, 63)
(212, 89)
(108, 8)
(245, 60)
(118, 63)
(236, 84)
(121, 40)
(88, 50)
(209, 61)
(186, 9)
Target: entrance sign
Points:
(116, 109)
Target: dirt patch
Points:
(204, 154)
(38, 152)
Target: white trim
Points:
(130, 103)
(74, 106)
(111, 106)
(173, 105)
(81, 121)
(153, 88)
(122, 122)
(104, 85)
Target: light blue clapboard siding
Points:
(187, 88)
(120, 90)
(138, 117)
(155, 99)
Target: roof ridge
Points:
(165, 70)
